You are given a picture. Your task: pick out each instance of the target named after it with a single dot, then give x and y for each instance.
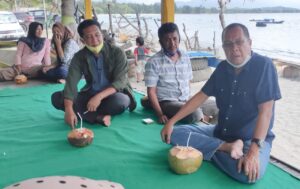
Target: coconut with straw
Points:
(185, 159)
(80, 137)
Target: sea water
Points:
(275, 40)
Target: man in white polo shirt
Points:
(167, 77)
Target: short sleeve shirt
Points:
(238, 97)
(171, 79)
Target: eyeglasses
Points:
(230, 44)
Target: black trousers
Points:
(114, 104)
(170, 108)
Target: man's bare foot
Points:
(62, 81)
(235, 149)
(104, 120)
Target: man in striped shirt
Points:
(167, 77)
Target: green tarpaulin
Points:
(33, 143)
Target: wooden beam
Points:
(167, 11)
(88, 9)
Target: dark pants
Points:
(59, 72)
(170, 108)
(112, 105)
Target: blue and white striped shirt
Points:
(170, 78)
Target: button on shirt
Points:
(170, 78)
(238, 97)
(100, 81)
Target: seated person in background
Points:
(65, 47)
(246, 87)
(33, 53)
(107, 91)
(167, 77)
(140, 53)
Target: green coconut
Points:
(185, 160)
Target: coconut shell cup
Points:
(185, 160)
(20, 79)
(80, 137)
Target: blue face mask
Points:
(169, 53)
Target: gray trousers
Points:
(114, 104)
(170, 108)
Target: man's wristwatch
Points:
(258, 142)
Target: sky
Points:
(232, 4)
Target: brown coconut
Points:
(80, 137)
(21, 79)
(185, 160)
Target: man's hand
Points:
(163, 119)
(71, 118)
(250, 164)
(94, 103)
(166, 133)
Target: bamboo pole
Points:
(88, 9)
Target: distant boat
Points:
(268, 21)
(261, 24)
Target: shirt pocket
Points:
(222, 97)
(245, 100)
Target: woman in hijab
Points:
(65, 47)
(33, 53)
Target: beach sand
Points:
(286, 146)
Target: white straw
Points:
(85, 112)
(188, 140)
(80, 120)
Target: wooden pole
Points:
(110, 19)
(45, 18)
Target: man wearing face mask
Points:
(167, 77)
(245, 86)
(107, 90)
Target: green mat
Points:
(33, 143)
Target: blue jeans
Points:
(59, 72)
(202, 138)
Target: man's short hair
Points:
(85, 24)
(140, 40)
(168, 27)
(233, 25)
